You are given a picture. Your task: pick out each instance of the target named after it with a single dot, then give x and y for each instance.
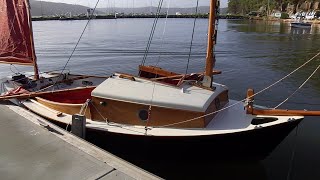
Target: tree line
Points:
(246, 6)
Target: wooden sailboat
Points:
(17, 47)
(166, 114)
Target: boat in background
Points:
(18, 48)
(301, 25)
(163, 114)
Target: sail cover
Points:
(16, 43)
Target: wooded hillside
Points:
(290, 6)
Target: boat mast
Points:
(210, 59)
(34, 57)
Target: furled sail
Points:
(16, 41)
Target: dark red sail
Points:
(16, 42)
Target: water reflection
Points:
(254, 26)
(314, 30)
(300, 30)
(221, 171)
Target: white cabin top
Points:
(143, 91)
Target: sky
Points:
(139, 3)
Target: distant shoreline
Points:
(201, 16)
(48, 18)
(283, 20)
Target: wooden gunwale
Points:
(67, 108)
(32, 95)
(285, 112)
(89, 76)
(57, 103)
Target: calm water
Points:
(250, 54)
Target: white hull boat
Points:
(301, 25)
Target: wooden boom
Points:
(275, 112)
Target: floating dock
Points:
(33, 148)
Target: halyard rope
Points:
(154, 84)
(155, 22)
(192, 37)
(163, 33)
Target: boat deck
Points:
(31, 151)
(231, 120)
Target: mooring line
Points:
(232, 105)
(298, 88)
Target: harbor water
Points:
(251, 54)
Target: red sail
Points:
(16, 42)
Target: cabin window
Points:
(143, 115)
(103, 103)
(263, 120)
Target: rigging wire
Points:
(18, 72)
(163, 33)
(154, 84)
(192, 37)
(155, 22)
(41, 8)
(74, 49)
